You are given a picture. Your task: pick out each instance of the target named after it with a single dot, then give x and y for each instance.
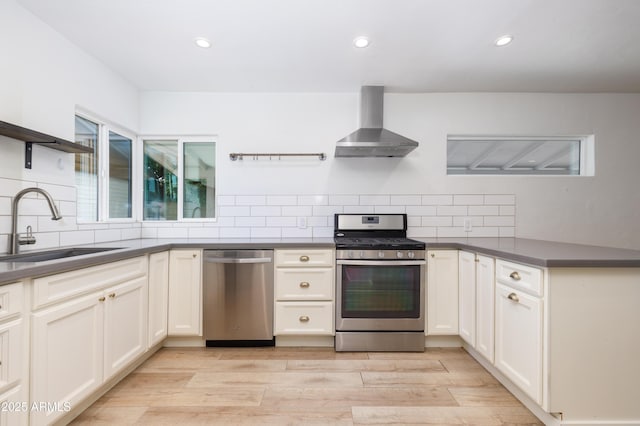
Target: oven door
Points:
(380, 295)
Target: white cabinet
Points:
(13, 355)
(485, 313)
(476, 302)
(467, 296)
(519, 327)
(185, 293)
(81, 342)
(442, 292)
(158, 296)
(126, 325)
(68, 351)
(304, 292)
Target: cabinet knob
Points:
(304, 284)
(102, 299)
(194, 255)
(515, 275)
(112, 295)
(304, 318)
(304, 258)
(433, 255)
(514, 297)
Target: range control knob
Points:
(361, 256)
(380, 254)
(399, 255)
(411, 255)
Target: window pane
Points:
(86, 171)
(199, 180)
(119, 176)
(512, 156)
(160, 180)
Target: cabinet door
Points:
(442, 292)
(304, 318)
(519, 339)
(158, 296)
(11, 354)
(67, 354)
(467, 296)
(125, 327)
(485, 296)
(15, 408)
(185, 293)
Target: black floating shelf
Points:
(31, 136)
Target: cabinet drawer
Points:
(305, 318)
(58, 287)
(304, 284)
(305, 257)
(10, 300)
(516, 275)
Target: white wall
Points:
(595, 210)
(43, 79)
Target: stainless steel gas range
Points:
(380, 284)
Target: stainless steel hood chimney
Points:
(371, 140)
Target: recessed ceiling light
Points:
(202, 42)
(361, 42)
(503, 40)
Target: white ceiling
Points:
(306, 45)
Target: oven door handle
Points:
(381, 262)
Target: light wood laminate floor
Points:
(307, 386)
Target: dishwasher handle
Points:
(237, 259)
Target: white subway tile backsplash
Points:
(422, 232)
(108, 235)
(405, 200)
(173, 233)
(266, 210)
(313, 200)
(389, 209)
(251, 221)
(421, 210)
(327, 210)
(499, 221)
(484, 210)
(297, 233)
(204, 232)
(282, 200)
(226, 200)
(437, 200)
(323, 232)
(468, 199)
(5, 205)
(319, 221)
(374, 200)
(149, 233)
(452, 211)
(474, 220)
(251, 200)
(436, 221)
(355, 209)
(233, 211)
(344, 200)
(266, 233)
(227, 221)
(507, 210)
(283, 221)
(500, 199)
(306, 210)
(76, 238)
(507, 232)
(10, 187)
(133, 233)
(235, 232)
(59, 192)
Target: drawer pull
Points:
(513, 297)
(304, 318)
(304, 284)
(304, 258)
(112, 295)
(102, 299)
(515, 276)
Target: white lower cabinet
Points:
(304, 292)
(442, 292)
(467, 296)
(78, 344)
(518, 351)
(185, 293)
(158, 296)
(14, 409)
(485, 306)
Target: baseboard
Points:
(442, 341)
(184, 342)
(309, 341)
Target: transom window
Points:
(507, 155)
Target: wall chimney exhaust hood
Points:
(371, 140)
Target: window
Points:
(502, 155)
(178, 179)
(103, 178)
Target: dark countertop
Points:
(534, 252)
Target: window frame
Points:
(586, 153)
(104, 127)
(181, 140)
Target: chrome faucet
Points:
(14, 242)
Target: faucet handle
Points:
(29, 238)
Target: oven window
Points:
(380, 291)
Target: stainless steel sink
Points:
(42, 256)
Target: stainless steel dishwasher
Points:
(238, 297)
